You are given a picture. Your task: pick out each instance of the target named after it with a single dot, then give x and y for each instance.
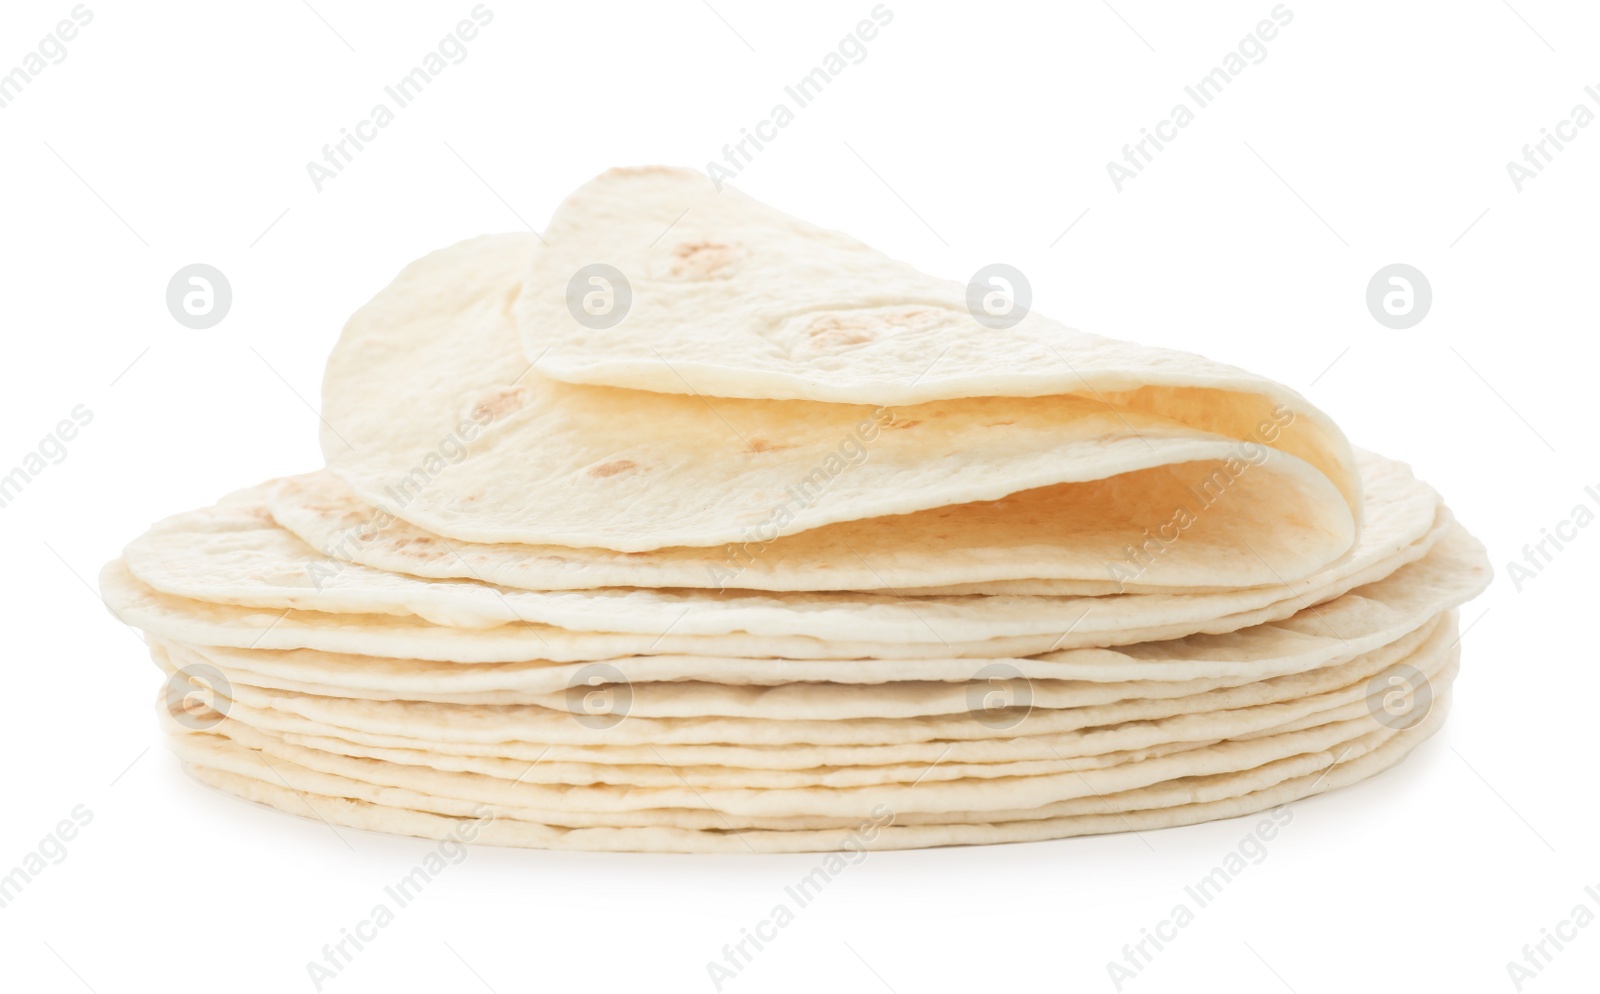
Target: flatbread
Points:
(1188, 802)
(659, 775)
(830, 701)
(1004, 799)
(234, 553)
(1454, 569)
(432, 412)
(731, 298)
(1021, 544)
(1071, 731)
(1356, 708)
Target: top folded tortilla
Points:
(432, 412)
(733, 298)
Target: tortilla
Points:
(1020, 544)
(432, 413)
(1072, 731)
(1454, 569)
(821, 700)
(731, 298)
(1188, 803)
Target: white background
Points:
(1372, 133)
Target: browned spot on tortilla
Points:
(511, 300)
(700, 260)
(842, 329)
(834, 340)
(897, 425)
(833, 331)
(762, 445)
(996, 424)
(611, 468)
(500, 403)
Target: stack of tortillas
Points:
(692, 527)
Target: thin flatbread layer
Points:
(1356, 622)
(1071, 538)
(827, 701)
(1071, 731)
(1020, 544)
(405, 766)
(1454, 569)
(879, 834)
(1008, 746)
(1002, 799)
(731, 298)
(235, 553)
(431, 412)
(919, 800)
(645, 775)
